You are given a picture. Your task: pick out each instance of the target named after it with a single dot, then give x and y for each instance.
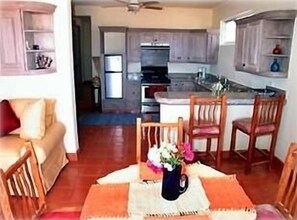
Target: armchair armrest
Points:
(53, 136)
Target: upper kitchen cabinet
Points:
(11, 44)
(133, 46)
(188, 46)
(212, 52)
(262, 40)
(27, 38)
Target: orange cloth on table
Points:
(147, 174)
(225, 193)
(110, 200)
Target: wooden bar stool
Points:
(265, 121)
(207, 120)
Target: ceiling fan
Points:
(135, 5)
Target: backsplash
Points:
(172, 67)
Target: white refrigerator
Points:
(113, 75)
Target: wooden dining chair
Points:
(265, 120)
(22, 195)
(150, 133)
(285, 204)
(21, 190)
(207, 121)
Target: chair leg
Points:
(208, 145)
(219, 152)
(233, 141)
(250, 153)
(271, 150)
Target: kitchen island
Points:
(177, 104)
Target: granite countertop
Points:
(182, 98)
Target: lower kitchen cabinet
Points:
(180, 85)
(132, 96)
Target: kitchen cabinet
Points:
(194, 46)
(188, 46)
(257, 36)
(132, 96)
(133, 46)
(212, 52)
(182, 85)
(153, 36)
(11, 44)
(248, 52)
(27, 38)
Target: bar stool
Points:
(265, 121)
(207, 120)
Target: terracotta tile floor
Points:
(104, 149)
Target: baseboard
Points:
(72, 156)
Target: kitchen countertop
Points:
(182, 98)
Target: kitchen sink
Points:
(265, 92)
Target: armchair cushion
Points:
(33, 121)
(9, 120)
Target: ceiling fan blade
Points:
(152, 7)
(150, 3)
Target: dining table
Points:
(135, 193)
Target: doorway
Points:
(82, 56)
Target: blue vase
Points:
(275, 66)
(172, 183)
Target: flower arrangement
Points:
(168, 156)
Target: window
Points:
(228, 27)
(228, 32)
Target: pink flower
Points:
(153, 167)
(189, 155)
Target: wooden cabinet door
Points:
(133, 46)
(240, 46)
(177, 46)
(163, 37)
(253, 46)
(196, 47)
(147, 37)
(212, 47)
(11, 43)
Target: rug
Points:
(112, 118)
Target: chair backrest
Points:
(21, 192)
(208, 112)
(286, 198)
(150, 133)
(267, 111)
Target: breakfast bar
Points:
(240, 105)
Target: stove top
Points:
(156, 81)
(155, 75)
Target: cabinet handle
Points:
(243, 64)
(178, 58)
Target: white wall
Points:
(288, 129)
(172, 18)
(59, 85)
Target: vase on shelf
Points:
(173, 183)
(277, 49)
(275, 67)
